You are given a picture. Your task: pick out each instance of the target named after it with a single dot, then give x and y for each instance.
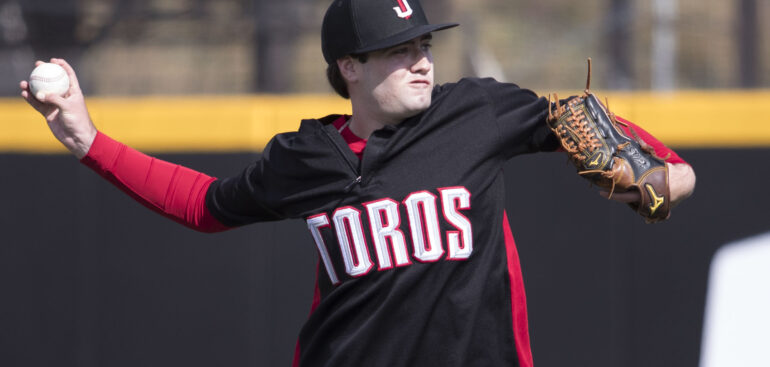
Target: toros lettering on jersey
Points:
(350, 236)
(388, 240)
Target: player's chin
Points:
(419, 101)
(416, 108)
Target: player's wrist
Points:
(81, 144)
(682, 181)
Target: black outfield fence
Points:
(90, 278)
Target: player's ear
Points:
(348, 69)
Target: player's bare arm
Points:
(681, 178)
(67, 115)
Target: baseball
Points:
(49, 78)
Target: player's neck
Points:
(365, 121)
(359, 128)
(363, 124)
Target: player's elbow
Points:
(205, 224)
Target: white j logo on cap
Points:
(403, 9)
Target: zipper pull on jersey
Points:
(350, 185)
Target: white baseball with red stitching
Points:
(50, 79)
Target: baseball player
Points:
(403, 200)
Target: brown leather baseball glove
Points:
(609, 158)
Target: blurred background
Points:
(145, 47)
(90, 278)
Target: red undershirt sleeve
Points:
(171, 190)
(660, 149)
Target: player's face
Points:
(399, 79)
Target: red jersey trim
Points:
(518, 298)
(316, 302)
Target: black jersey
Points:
(417, 266)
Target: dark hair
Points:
(334, 75)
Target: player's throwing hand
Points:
(67, 115)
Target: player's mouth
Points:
(420, 83)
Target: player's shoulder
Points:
(475, 84)
(488, 89)
(311, 135)
(310, 150)
(309, 128)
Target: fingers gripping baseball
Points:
(66, 114)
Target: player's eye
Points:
(426, 46)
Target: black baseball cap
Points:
(359, 26)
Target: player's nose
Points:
(423, 62)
